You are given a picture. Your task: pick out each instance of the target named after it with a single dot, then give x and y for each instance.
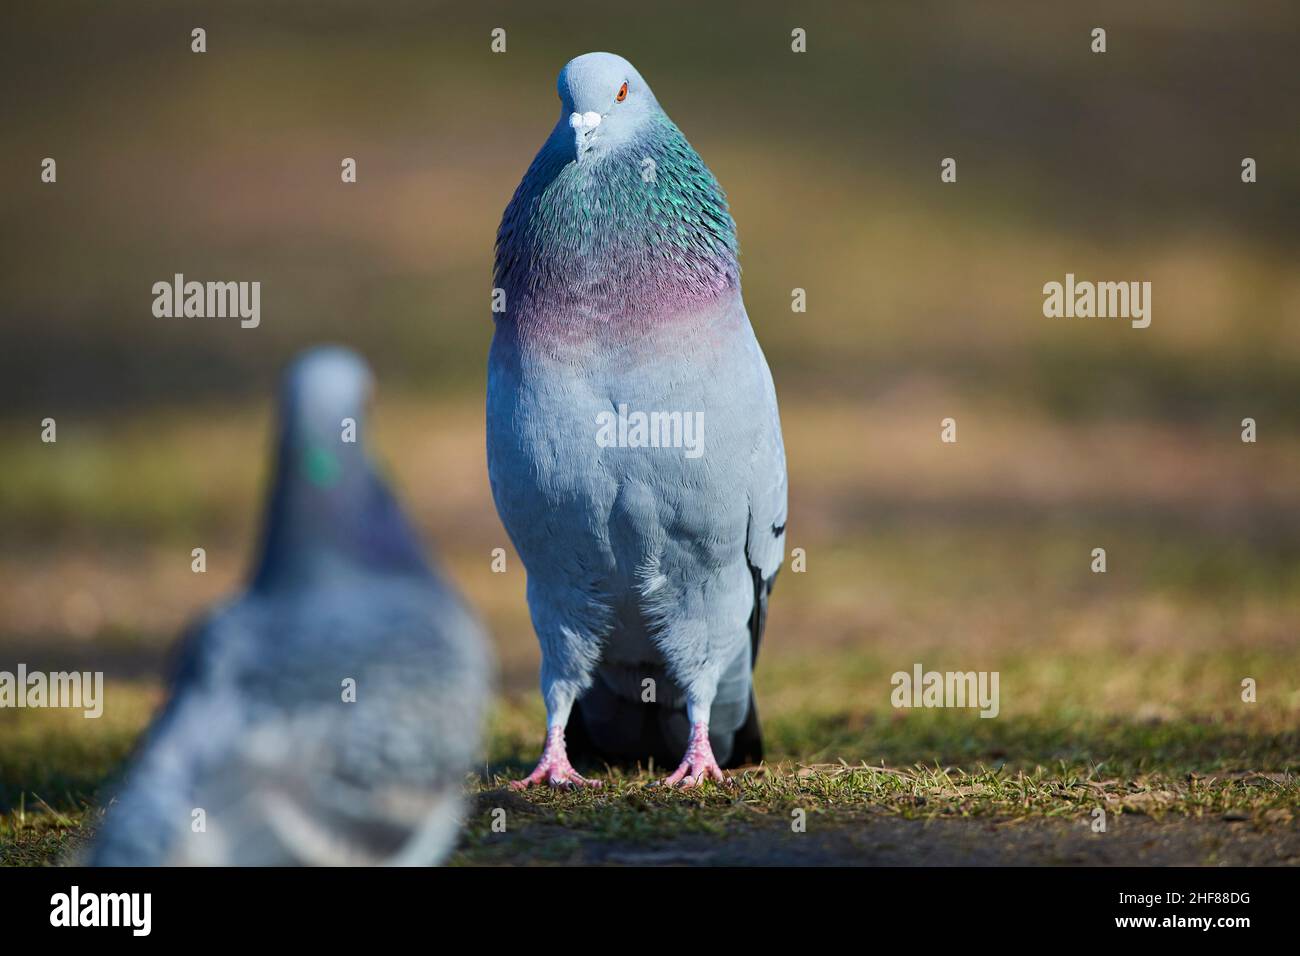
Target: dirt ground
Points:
(873, 840)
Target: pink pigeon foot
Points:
(699, 764)
(554, 767)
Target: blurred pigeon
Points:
(328, 714)
(634, 444)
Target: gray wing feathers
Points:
(259, 737)
(767, 493)
(765, 542)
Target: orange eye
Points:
(622, 93)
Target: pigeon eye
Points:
(622, 93)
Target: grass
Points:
(52, 765)
(1120, 691)
(632, 810)
(1045, 759)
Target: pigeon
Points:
(329, 714)
(634, 443)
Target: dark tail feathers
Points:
(642, 732)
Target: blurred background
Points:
(924, 302)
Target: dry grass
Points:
(1119, 690)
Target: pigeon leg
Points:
(699, 764)
(554, 767)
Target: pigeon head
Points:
(321, 388)
(324, 397)
(604, 102)
(617, 221)
(329, 511)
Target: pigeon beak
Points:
(583, 124)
